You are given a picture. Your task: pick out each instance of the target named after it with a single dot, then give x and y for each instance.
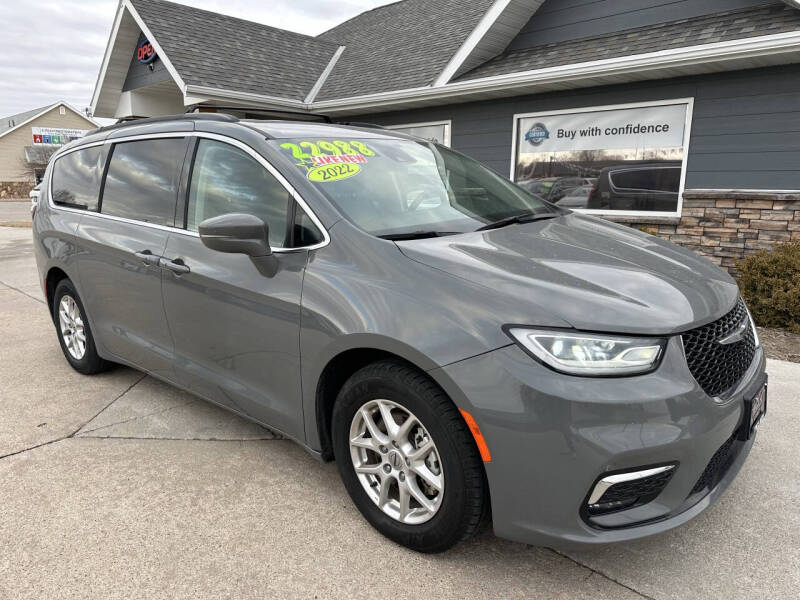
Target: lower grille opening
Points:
(629, 490)
(717, 466)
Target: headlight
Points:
(590, 354)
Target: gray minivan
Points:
(462, 349)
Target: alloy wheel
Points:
(72, 328)
(396, 461)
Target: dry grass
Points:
(15, 224)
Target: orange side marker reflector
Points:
(476, 433)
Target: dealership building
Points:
(681, 118)
(29, 139)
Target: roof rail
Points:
(129, 121)
(260, 109)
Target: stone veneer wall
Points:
(726, 225)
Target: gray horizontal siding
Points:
(745, 131)
(563, 20)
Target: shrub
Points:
(770, 284)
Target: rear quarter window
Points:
(142, 181)
(77, 176)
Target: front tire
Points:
(74, 333)
(407, 459)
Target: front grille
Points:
(649, 487)
(716, 367)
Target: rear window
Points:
(77, 176)
(142, 180)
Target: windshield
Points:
(394, 187)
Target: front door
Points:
(236, 330)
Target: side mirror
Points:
(236, 233)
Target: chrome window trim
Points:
(326, 238)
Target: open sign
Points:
(145, 53)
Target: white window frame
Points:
(448, 128)
(687, 135)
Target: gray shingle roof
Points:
(720, 27)
(222, 52)
(12, 121)
(402, 45)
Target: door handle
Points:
(147, 257)
(175, 265)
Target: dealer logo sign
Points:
(537, 134)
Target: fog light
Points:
(626, 490)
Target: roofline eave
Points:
(47, 110)
(708, 54)
(471, 53)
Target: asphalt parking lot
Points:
(118, 486)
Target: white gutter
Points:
(673, 58)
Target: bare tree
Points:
(35, 160)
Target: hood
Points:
(593, 274)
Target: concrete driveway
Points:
(15, 213)
(118, 486)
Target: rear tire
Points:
(455, 501)
(74, 333)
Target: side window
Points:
(76, 178)
(305, 232)
(226, 179)
(142, 180)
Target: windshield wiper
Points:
(415, 235)
(523, 218)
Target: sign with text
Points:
(56, 136)
(615, 159)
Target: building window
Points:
(438, 131)
(624, 160)
(62, 111)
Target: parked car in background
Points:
(457, 345)
(576, 198)
(553, 189)
(34, 196)
(650, 186)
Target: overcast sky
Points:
(52, 49)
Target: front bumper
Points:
(553, 436)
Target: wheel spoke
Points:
(405, 428)
(405, 500)
(417, 494)
(369, 469)
(383, 497)
(421, 452)
(376, 433)
(433, 480)
(388, 420)
(365, 442)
